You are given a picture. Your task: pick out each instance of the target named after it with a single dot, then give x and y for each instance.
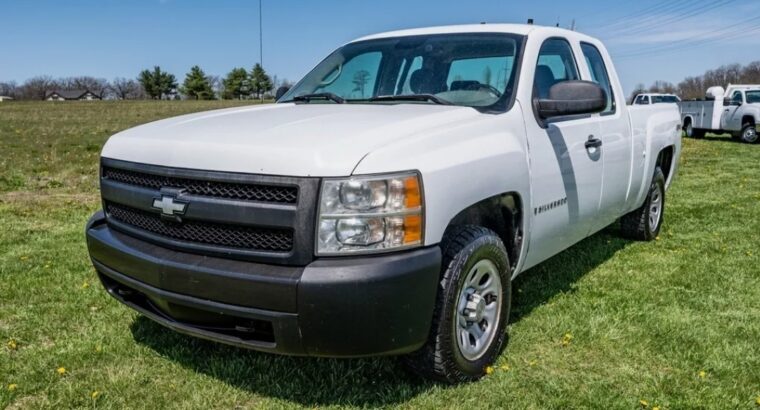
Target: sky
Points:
(649, 39)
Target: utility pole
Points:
(261, 43)
(261, 37)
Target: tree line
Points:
(155, 84)
(695, 87)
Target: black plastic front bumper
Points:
(340, 307)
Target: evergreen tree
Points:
(237, 84)
(260, 81)
(157, 83)
(197, 85)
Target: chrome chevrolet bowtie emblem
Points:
(169, 206)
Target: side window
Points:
(639, 100)
(416, 64)
(556, 63)
(599, 73)
(737, 97)
(355, 78)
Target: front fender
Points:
(460, 166)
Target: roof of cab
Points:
(521, 29)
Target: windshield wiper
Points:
(412, 97)
(319, 96)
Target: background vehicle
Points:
(384, 205)
(735, 110)
(652, 98)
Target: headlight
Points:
(369, 214)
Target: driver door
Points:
(731, 118)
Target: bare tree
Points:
(36, 88)
(751, 73)
(125, 88)
(692, 88)
(99, 86)
(10, 89)
(640, 89)
(663, 87)
(361, 78)
(216, 85)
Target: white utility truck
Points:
(654, 98)
(735, 110)
(385, 203)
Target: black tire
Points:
(692, 132)
(749, 134)
(441, 358)
(638, 224)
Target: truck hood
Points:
(282, 139)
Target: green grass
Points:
(645, 318)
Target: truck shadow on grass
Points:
(721, 138)
(362, 382)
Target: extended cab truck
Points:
(735, 110)
(385, 203)
(652, 98)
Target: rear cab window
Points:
(599, 74)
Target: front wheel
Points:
(644, 223)
(472, 308)
(749, 134)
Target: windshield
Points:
(665, 99)
(753, 97)
(475, 70)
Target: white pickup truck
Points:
(385, 203)
(735, 110)
(655, 98)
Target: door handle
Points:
(593, 142)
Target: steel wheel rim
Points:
(655, 208)
(750, 135)
(689, 130)
(478, 310)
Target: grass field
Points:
(610, 323)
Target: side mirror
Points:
(572, 98)
(281, 91)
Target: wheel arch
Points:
(665, 160)
(687, 119)
(748, 119)
(502, 214)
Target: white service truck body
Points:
(384, 204)
(735, 110)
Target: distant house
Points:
(71, 95)
(5, 98)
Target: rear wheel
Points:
(749, 134)
(644, 223)
(472, 308)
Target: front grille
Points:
(228, 190)
(231, 236)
